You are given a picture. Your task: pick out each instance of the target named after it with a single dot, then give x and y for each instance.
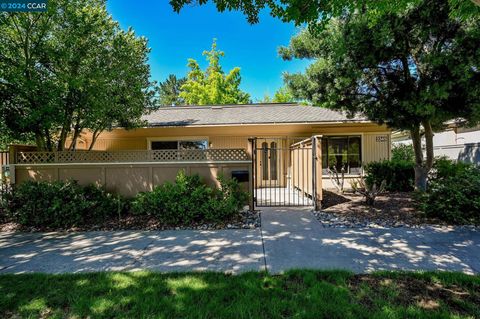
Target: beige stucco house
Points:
(268, 146)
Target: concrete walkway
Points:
(226, 250)
(290, 238)
(293, 238)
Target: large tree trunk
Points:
(420, 171)
(422, 168)
(40, 141)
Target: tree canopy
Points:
(169, 91)
(212, 86)
(314, 11)
(68, 70)
(282, 95)
(411, 70)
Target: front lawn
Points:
(297, 294)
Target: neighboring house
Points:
(455, 142)
(268, 145)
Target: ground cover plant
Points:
(296, 294)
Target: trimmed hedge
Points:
(453, 193)
(189, 200)
(60, 204)
(399, 174)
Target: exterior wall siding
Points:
(376, 147)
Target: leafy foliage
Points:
(454, 192)
(212, 86)
(189, 200)
(317, 13)
(412, 70)
(282, 95)
(399, 175)
(403, 152)
(169, 91)
(8, 137)
(60, 204)
(70, 69)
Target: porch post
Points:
(317, 172)
(314, 173)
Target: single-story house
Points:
(284, 148)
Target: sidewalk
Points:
(293, 238)
(226, 250)
(289, 238)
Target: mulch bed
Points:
(244, 220)
(393, 207)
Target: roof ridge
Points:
(209, 106)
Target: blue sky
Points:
(174, 38)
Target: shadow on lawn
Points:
(296, 294)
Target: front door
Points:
(269, 168)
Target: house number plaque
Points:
(381, 139)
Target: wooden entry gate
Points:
(286, 171)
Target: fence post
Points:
(314, 173)
(251, 173)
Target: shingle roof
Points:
(270, 113)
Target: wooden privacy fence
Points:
(306, 168)
(130, 172)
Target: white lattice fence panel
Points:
(35, 157)
(210, 155)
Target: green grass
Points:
(296, 294)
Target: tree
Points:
(169, 91)
(69, 70)
(412, 70)
(314, 11)
(213, 86)
(282, 95)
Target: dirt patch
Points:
(393, 207)
(407, 290)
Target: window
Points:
(164, 145)
(342, 151)
(179, 145)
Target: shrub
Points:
(188, 200)
(399, 175)
(402, 152)
(60, 204)
(453, 193)
(176, 203)
(229, 199)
